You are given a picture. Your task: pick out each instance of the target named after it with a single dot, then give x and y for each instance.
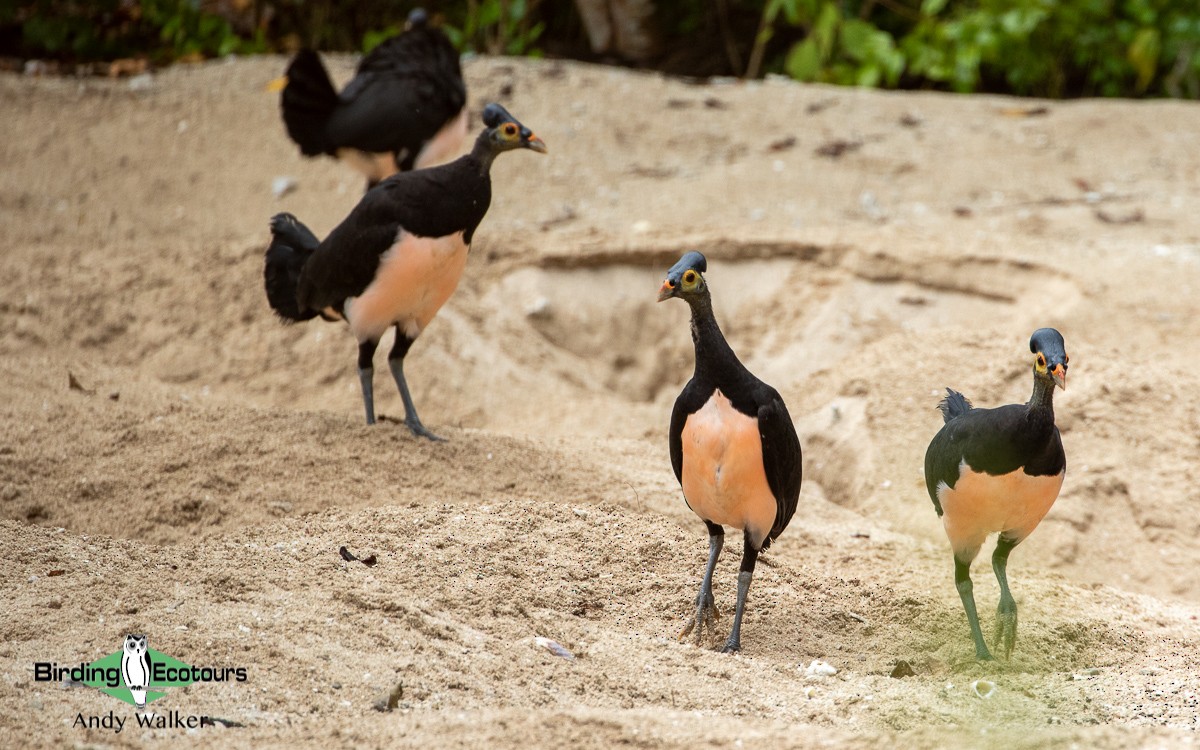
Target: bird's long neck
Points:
(715, 359)
(483, 153)
(1041, 403)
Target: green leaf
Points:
(856, 38)
(824, 32)
(932, 7)
(1143, 55)
(803, 61)
(489, 13)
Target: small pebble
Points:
(818, 669)
(554, 647)
(141, 82)
(282, 185)
(390, 698)
(870, 205)
(983, 689)
(539, 308)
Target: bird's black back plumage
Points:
(993, 441)
(291, 245)
(402, 94)
(435, 202)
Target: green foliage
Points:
(497, 27)
(108, 29)
(1049, 48)
(1031, 47)
(189, 31)
(837, 48)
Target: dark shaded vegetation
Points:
(1053, 48)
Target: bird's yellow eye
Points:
(1066, 359)
(1041, 361)
(689, 277)
(510, 129)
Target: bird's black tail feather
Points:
(291, 245)
(308, 100)
(954, 404)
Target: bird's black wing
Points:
(690, 400)
(435, 202)
(781, 457)
(406, 89)
(345, 264)
(994, 441)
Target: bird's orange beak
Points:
(535, 144)
(666, 291)
(1059, 373)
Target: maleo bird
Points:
(998, 470)
(733, 448)
(405, 108)
(398, 256)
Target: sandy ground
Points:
(866, 249)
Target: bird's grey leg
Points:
(1005, 636)
(706, 609)
(749, 558)
(366, 373)
(962, 581)
(396, 362)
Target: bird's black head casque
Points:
(684, 280)
(505, 132)
(417, 19)
(1051, 357)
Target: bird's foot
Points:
(418, 429)
(706, 616)
(977, 664)
(1005, 634)
(732, 645)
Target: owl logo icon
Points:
(135, 668)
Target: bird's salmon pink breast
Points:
(723, 476)
(415, 278)
(981, 504)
